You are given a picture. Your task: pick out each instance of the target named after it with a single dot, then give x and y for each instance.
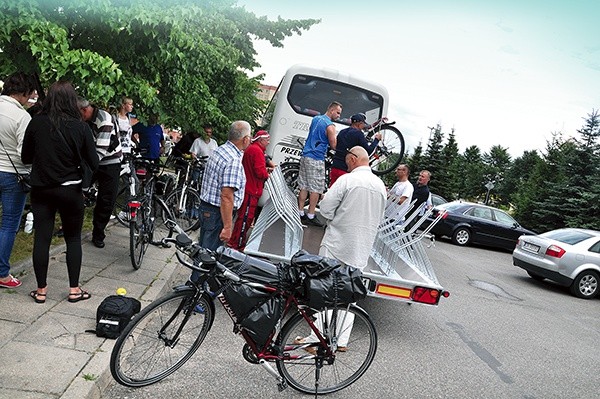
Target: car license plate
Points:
(527, 246)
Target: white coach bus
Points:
(306, 91)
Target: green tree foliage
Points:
(433, 155)
(497, 162)
(472, 178)
(188, 60)
(445, 180)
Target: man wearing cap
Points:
(348, 138)
(257, 172)
(108, 147)
(311, 175)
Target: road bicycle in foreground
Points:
(270, 308)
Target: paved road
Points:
(500, 334)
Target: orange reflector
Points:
(390, 290)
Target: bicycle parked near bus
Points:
(273, 308)
(384, 159)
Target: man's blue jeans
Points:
(210, 229)
(13, 202)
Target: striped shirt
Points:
(224, 169)
(108, 145)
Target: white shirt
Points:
(13, 122)
(395, 210)
(203, 149)
(354, 208)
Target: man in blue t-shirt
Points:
(311, 176)
(348, 138)
(151, 138)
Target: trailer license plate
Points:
(531, 247)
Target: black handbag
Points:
(24, 179)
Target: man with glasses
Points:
(223, 186)
(348, 138)
(354, 208)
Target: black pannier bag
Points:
(113, 315)
(328, 283)
(257, 312)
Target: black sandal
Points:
(34, 294)
(79, 296)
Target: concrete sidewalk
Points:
(45, 351)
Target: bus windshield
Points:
(310, 96)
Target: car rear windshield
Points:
(570, 237)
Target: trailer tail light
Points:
(133, 208)
(555, 251)
(429, 296)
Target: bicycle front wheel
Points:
(357, 345)
(160, 339)
(138, 238)
(390, 151)
(185, 207)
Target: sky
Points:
(498, 72)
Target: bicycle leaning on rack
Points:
(384, 159)
(259, 297)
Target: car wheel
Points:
(585, 284)
(534, 276)
(461, 236)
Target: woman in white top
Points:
(17, 91)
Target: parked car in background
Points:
(570, 257)
(470, 223)
(437, 200)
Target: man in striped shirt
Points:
(108, 147)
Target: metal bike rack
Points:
(397, 246)
(280, 209)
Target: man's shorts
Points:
(311, 176)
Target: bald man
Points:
(354, 207)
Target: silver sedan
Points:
(570, 257)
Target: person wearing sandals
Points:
(17, 90)
(56, 143)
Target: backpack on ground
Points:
(113, 315)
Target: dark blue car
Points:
(469, 223)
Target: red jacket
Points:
(255, 167)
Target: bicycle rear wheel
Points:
(185, 207)
(290, 172)
(351, 360)
(138, 237)
(160, 339)
(390, 151)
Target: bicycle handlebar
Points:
(193, 250)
